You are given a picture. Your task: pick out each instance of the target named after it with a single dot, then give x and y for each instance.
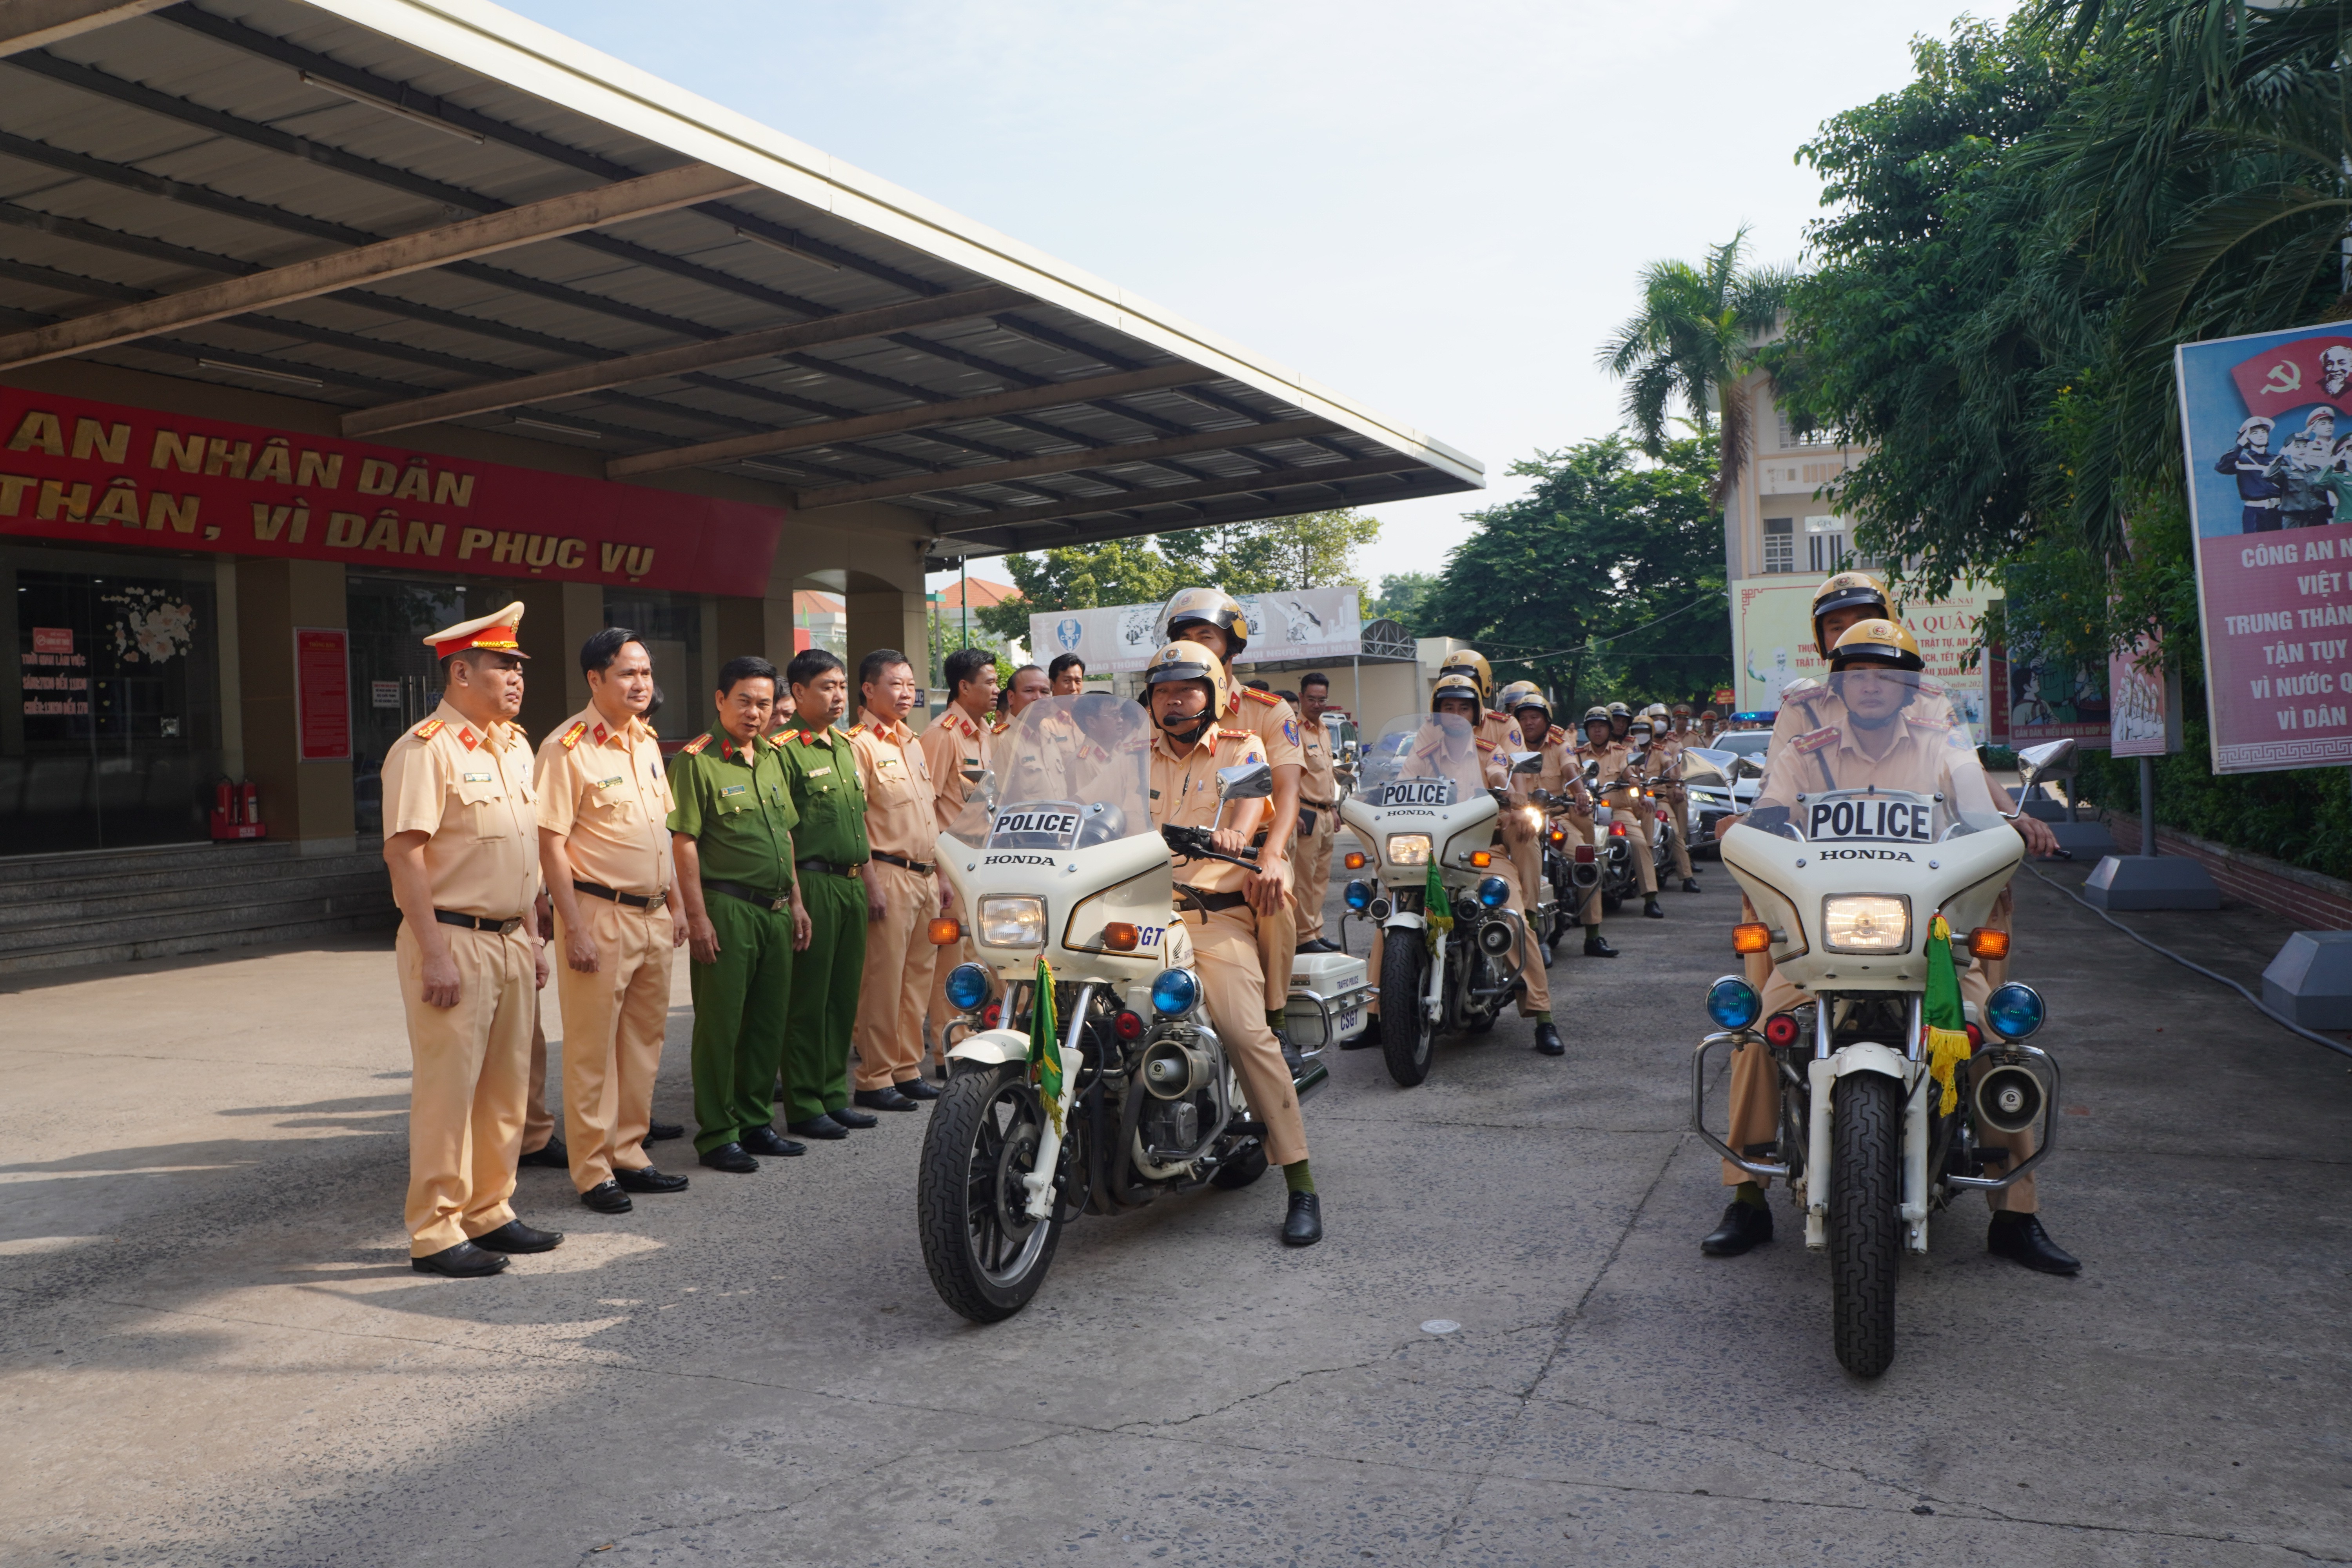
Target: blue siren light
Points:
(1174, 993)
(1733, 1004)
(1357, 894)
(1494, 892)
(967, 987)
(2014, 1011)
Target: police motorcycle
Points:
(1885, 1106)
(1091, 1082)
(1450, 940)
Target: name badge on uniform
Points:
(819, 773)
(730, 789)
(608, 784)
(474, 778)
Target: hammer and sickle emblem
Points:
(2285, 377)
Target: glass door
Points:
(396, 681)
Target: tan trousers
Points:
(538, 1125)
(466, 1092)
(1580, 831)
(1311, 873)
(613, 1021)
(1277, 947)
(1226, 954)
(1756, 1081)
(897, 979)
(1677, 827)
(1639, 825)
(1535, 996)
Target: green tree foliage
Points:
(1606, 583)
(1400, 600)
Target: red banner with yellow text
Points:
(102, 473)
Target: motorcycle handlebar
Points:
(1198, 844)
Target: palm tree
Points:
(1696, 335)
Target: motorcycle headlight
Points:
(2014, 1011)
(1866, 922)
(1359, 895)
(1494, 892)
(1733, 1004)
(1174, 992)
(1012, 920)
(1408, 849)
(967, 986)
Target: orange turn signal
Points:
(1751, 936)
(1482, 858)
(1988, 941)
(1120, 937)
(946, 931)
(1354, 862)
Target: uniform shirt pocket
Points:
(483, 799)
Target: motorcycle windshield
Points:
(1884, 734)
(1069, 773)
(1423, 759)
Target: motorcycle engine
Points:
(1172, 1126)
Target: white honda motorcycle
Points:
(1131, 1097)
(1844, 894)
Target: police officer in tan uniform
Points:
(1666, 774)
(958, 744)
(1185, 689)
(1618, 782)
(1563, 780)
(1318, 800)
(461, 840)
(904, 889)
(604, 848)
(1585, 825)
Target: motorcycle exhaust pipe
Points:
(2008, 1100)
(1173, 1069)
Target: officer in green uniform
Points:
(821, 770)
(732, 829)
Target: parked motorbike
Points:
(1450, 941)
(1846, 894)
(1129, 1097)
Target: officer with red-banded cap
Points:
(1215, 620)
(461, 842)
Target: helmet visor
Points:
(1872, 689)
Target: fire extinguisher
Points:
(248, 794)
(223, 799)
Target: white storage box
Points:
(1339, 980)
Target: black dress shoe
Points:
(1690, 885)
(1320, 944)
(1290, 1057)
(606, 1197)
(768, 1141)
(730, 1157)
(918, 1089)
(646, 1179)
(662, 1131)
(1549, 1042)
(852, 1119)
(1597, 946)
(817, 1127)
(1744, 1225)
(1650, 910)
(552, 1154)
(1303, 1225)
(463, 1261)
(884, 1100)
(516, 1236)
(2020, 1239)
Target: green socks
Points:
(1295, 1178)
(1273, 1021)
(1543, 1018)
(1747, 1193)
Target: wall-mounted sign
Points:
(323, 693)
(1310, 623)
(102, 473)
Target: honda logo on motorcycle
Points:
(1903, 854)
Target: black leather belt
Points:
(630, 901)
(920, 867)
(771, 902)
(479, 922)
(827, 868)
(1208, 903)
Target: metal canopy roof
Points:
(421, 213)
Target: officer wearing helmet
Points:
(1593, 728)
(1894, 732)
(1664, 768)
(1185, 690)
(1215, 620)
(1619, 782)
(1457, 751)
(1561, 778)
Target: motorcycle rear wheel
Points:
(987, 1257)
(1866, 1220)
(1406, 1033)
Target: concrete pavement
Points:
(215, 1351)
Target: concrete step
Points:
(143, 860)
(225, 873)
(169, 944)
(180, 906)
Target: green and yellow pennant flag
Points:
(1947, 1026)
(1439, 909)
(1046, 1045)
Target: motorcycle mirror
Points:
(983, 782)
(2050, 760)
(1250, 781)
(1526, 761)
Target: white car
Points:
(1722, 780)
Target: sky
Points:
(1441, 210)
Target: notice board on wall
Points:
(323, 693)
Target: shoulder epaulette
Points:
(572, 736)
(430, 728)
(856, 728)
(693, 748)
(777, 742)
(1487, 745)
(1817, 739)
(1236, 734)
(1254, 695)
(1931, 687)
(1944, 721)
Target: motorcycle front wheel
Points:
(986, 1255)
(1865, 1218)
(1406, 1033)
